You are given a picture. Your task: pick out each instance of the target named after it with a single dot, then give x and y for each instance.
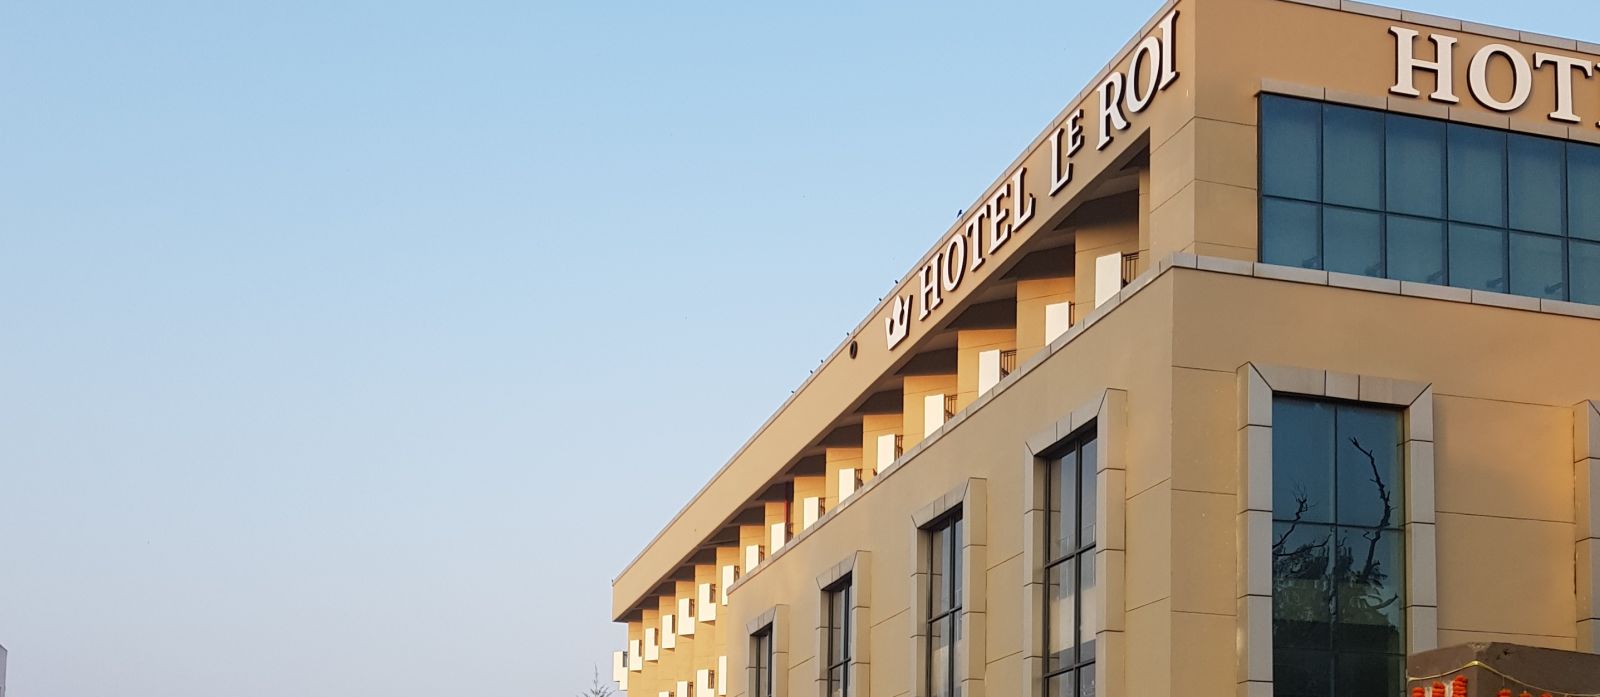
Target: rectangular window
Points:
(761, 660)
(1372, 193)
(1338, 549)
(839, 638)
(945, 539)
(1071, 619)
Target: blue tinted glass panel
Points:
(1352, 157)
(1536, 169)
(1583, 191)
(1302, 604)
(1585, 268)
(1302, 460)
(1289, 147)
(1368, 467)
(1370, 593)
(1478, 258)
(1289, 233)
(1352, 241)
(1416, 250)
(1537, 267)
(1414, 166)
(1477, 175)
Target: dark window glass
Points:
(1369, 674)
(839, 639)
(1372, 193)
(1367, 462)
(761, 653)
(1302, 460)
(945, 538)
(1338, 581)
(1583, 191)
(1585, 270)
(1537, 266)
(1536, 175)
(1477, 175)
(1289, 152)
(1289, 234)
(1303, 674)
(1353, 241)
(1416, 249)
(1352, 157)
(1071, 618)
(1414, 166)
(1478, 258)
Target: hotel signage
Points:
(1551, 69)
(1150, 69)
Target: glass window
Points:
(1478, 258)
(1585, 272)
(1352, 157)
(761, 658)
(1414, 166)
(1289, 233)
(1415, 249)
(839, 638)
(1072, 618)
(945, 538)
(1537, 266)
(1338, 549)
(1290, 159)
(1535, 169)
(1387, 195)
(1477, 175)
(1583, 191)
(1352, 241)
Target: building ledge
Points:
(1437, 22)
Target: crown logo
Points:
(898, 323)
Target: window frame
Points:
(948, 574)
(1074, 445)
(1257, 385)
(1513, 236)
(837, 647)
(1337, 648)
(762, 650)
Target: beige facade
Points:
(1127, 300)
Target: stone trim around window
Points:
(858, 566)
(972, 497)
(776, 617)
(1257, 385)
(1107, 412)
(1586, 477)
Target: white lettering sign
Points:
(1408, 65)
(1152, 67)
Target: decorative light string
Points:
(1458, 686)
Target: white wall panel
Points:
(988, 370)
(932, 413)
(1107, 277)
(1057, 320)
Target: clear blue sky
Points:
(351, 348)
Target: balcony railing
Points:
(1130, 267)
(949, 407)
(1008, 359)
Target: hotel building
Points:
(1274, 359)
